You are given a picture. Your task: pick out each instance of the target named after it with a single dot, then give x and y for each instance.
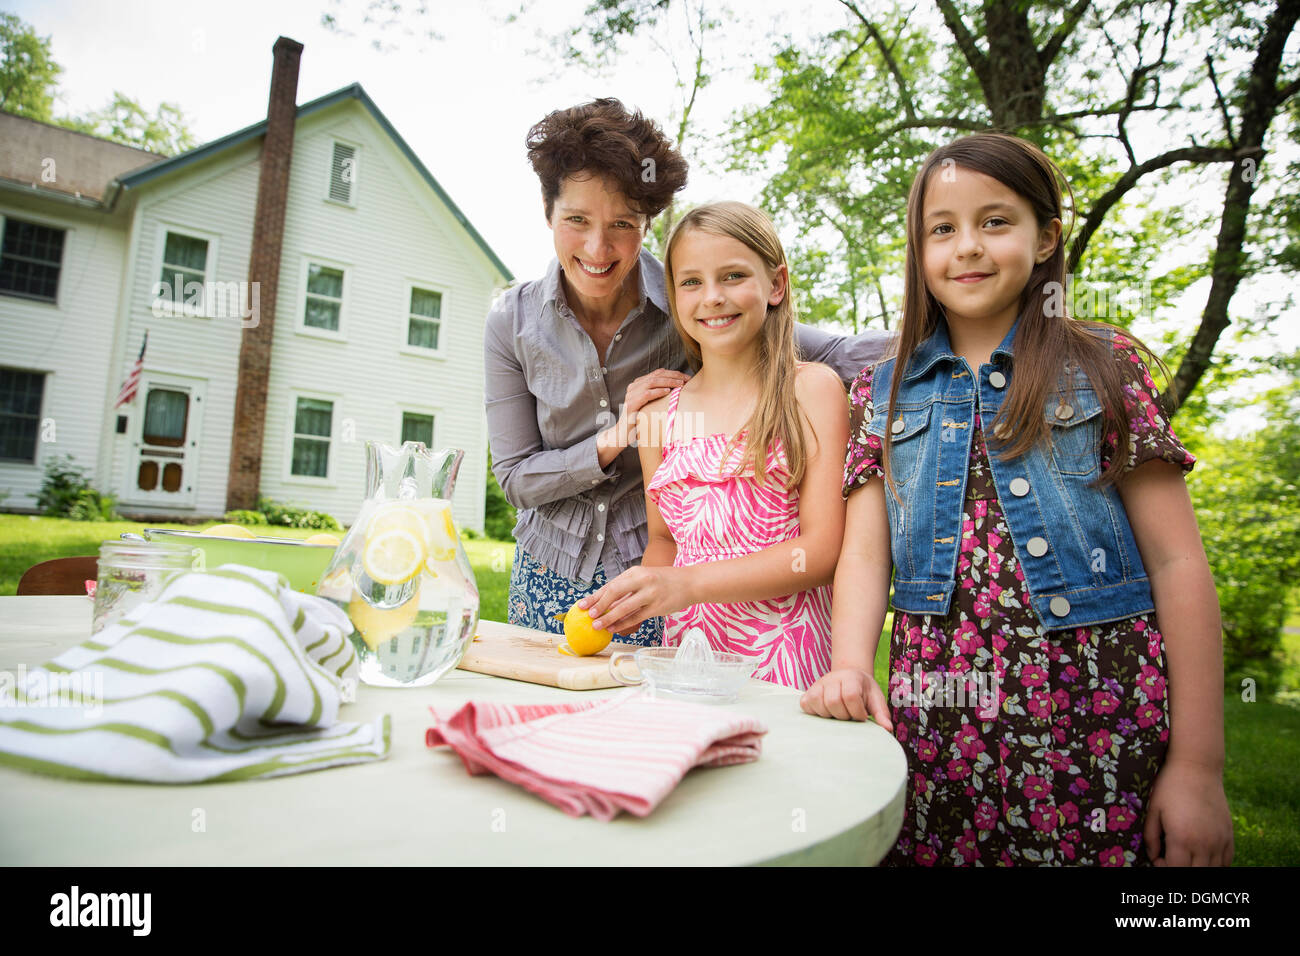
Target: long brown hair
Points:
(1047, 339)
(776, 414)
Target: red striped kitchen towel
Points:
(599, 757)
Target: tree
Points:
(849, 120)
(29, 83)
(28, 75)
(124, 120)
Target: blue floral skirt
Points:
(538, 593)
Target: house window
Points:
(311, 438)
(20, 413)
(184, 261)
(324, 297)
(30, 259)
(425, 320)
(417, 427)
(343, 173)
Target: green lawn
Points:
(26, 540)
(1262, 776)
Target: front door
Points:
(163, 466)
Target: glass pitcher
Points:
(401, 573)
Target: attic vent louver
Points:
(343, 173)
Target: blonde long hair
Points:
(777, 413)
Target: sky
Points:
(463, 102)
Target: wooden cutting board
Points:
(520, 653)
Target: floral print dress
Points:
(1062, 771)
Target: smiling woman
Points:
(572, 357)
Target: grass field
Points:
(1261, 776)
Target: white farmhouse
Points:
(305, 284)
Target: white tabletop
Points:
(823, 792)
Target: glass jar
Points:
(132, 573)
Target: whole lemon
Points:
(228, 531)
(580, 637)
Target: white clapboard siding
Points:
(394, 232)
(70, 341)
(216, 199)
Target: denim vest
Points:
(1073, 542)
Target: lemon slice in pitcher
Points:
(395, 516)
(376, 625)
(393, 557)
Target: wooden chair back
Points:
(60, 576)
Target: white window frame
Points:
(331, 459)
(434, 413)
(329, 172)
(404, 346)
(300, 322)
(169, 307)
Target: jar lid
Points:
(147, 554)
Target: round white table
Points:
(823, 792)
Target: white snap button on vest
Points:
(997, 379)
(1036, 546)
(1059, 606)
(1020, 488)
(897, 427)
(603, 403)
(1064, 412)
(603, 370)
(617, 337)
(601, 506)
(600, 537)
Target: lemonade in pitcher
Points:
(401, 573)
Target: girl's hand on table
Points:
(636, 595)
(847, 693)
(1188, 807)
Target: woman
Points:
(572, 357)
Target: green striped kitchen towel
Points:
(229, 675)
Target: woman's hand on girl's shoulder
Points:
(847, 693)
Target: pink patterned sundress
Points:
(715, 512)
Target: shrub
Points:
(291, 516)
(1247, 497)
(498, 515)
(244, 516)
(66, 492)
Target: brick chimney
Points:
(264, 275)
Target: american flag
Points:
(132, 383)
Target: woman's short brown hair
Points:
(602, 137)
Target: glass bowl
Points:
(718, 682)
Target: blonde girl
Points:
(741, 464)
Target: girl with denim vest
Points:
(1055, 660)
